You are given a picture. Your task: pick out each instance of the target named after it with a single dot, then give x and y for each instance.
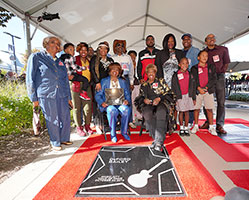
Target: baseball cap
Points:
(186, 34)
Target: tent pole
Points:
(27, 22)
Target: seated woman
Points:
(157, 103)
(114, 81)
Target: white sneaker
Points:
(212, 131)
(132, 125)
(55, 148)
(195, 129)
(98, 130)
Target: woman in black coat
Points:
(168, 58)
(156, 101)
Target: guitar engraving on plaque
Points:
(141, 179)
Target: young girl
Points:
(205, 78)
(183, 86)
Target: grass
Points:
(15, 108)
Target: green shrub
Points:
(15, 108)
(239, 97)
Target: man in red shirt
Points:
(145, 57)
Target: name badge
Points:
(216, 58)
(200, 70)
(180, 76)
(125, 67)
(155, 85)
(61, 63)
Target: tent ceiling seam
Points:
(135, 43)
(146, 18)
(178, 30)
(117, 29)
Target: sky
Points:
(238, 49)
(16, 27)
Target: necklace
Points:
(114, 84)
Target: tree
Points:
(5, 16)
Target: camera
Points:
(48, 16)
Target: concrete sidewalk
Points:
(28, 181)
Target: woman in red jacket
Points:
(79, 103)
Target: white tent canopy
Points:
(94, 21)
(238, 66)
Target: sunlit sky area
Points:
(238, 49)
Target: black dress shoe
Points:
(186, 133)
(205, 125)
(220, 130)
(182, 132)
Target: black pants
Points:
(220, 98)
(156, 120)
(79, 78)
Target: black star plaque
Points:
(131, 171)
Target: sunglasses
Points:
(120, 45)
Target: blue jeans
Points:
(57, 114)
(112, 115)
(191, 117)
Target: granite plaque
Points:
(136, 171)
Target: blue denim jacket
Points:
(192, 54)
(46, 77)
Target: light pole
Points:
(13, 46)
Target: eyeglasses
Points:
(211, 37)
(120, 44)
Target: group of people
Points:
(162, 83)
